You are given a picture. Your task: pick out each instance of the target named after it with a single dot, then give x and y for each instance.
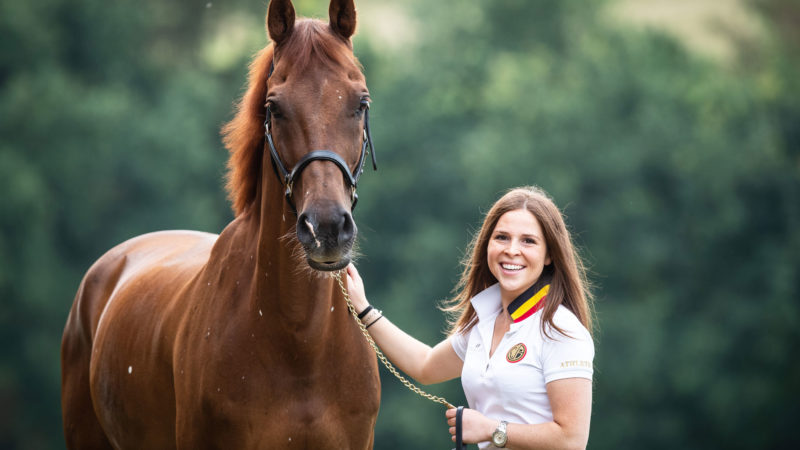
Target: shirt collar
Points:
(529, 302)
(487, 302)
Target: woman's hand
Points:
(355, 288)
(475, 427)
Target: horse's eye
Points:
(363, 106)
(274, 110)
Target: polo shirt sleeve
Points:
(568, 356)
(459, 342)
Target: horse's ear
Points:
(280, 20)
(343, 17)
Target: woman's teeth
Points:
(511, 266)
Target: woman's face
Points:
(517, 252)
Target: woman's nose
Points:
(513, 247)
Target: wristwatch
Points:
(499, 437)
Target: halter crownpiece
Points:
(288, 178)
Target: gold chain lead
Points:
(379, 353)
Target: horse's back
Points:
(121, 313)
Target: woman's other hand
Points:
(475, 427)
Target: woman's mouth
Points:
(511, 267)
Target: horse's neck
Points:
(285, 287)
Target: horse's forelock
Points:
(313, 41)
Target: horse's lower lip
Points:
(329, 266)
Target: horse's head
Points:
(309, 87)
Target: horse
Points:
(183, 339)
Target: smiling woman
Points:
(523, 295)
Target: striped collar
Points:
(533, 299)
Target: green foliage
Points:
(680, 180)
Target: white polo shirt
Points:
(510, 385)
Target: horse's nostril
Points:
(307, 231)
(348, 227)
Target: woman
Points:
(521, 341)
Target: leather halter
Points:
(288, 178)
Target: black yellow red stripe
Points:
(531, 305)
(533, 299)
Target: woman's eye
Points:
(529, 241)
(501, 237)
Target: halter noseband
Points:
(288, 178)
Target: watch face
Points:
(498, 439)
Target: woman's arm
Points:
(421, 362)
(571, 401)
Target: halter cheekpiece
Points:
(288, 178)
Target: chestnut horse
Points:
(182, 339)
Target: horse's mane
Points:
(311, 40)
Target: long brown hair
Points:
(569, 286)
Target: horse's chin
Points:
(328, 266)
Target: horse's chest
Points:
(290, 412)
(278, 396)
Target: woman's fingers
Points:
(352, 275)
(451, 421)
(352, 271)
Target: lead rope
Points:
(380, 354)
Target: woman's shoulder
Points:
(567, 321)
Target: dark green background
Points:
(679, 175)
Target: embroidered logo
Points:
(516, 353)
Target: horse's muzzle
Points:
(327, 237)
